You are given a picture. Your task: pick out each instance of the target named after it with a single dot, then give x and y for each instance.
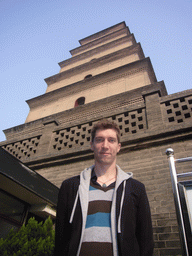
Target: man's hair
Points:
(103, 125)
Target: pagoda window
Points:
(88, 76)
(80, 101)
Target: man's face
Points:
(105, 146)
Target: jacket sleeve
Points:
(144, 230)
(62, 234)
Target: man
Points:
(103, 211)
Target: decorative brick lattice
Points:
(179, 110)
(80, 135)
(131, 122)
(24, 148)
(72, 137)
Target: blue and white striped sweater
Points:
(98, 223)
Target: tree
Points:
(34, 239)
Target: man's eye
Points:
(98, 140)
(111, 140)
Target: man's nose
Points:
(105, 143)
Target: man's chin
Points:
(104, 160)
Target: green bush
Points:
(34, 239)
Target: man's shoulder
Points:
(71, 182)
(136, 183)
(72, 179)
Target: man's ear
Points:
(91, 143)
(119, 147)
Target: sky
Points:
(35, 35)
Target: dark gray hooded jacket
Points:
(130, 216)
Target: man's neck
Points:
(105, 171)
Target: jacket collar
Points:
(85, 176)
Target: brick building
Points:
(108, 76)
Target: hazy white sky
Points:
(35, 35)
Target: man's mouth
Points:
(105, 153)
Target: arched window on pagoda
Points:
(80, 101)
(88, 76)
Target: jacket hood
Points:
(85, 176)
